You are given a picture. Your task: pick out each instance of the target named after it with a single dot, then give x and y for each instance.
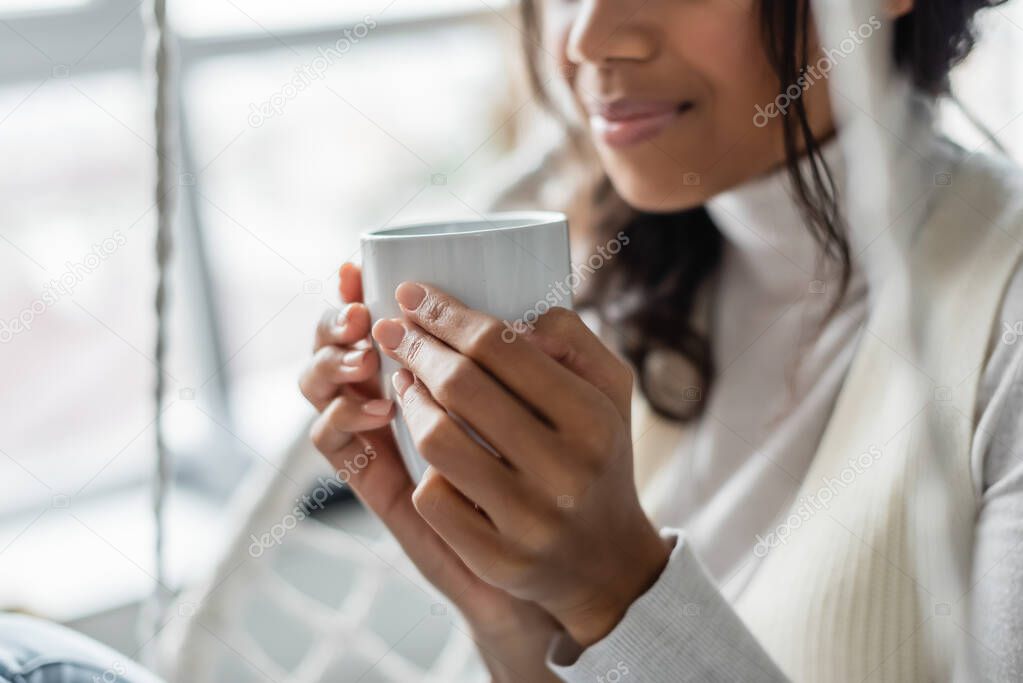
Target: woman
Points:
(832, 471)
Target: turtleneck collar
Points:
(764, 227)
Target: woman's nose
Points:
(607, 30)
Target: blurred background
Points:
(302, 124)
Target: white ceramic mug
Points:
(514, 266)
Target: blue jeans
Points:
(36, 651)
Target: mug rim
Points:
(529, 219)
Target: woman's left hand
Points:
(562, 525)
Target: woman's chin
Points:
(656, 196)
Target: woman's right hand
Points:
(353, 427)
(341, 379)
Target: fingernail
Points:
(389, 333)
(378, 407)
(410, 295)
(401, 380)
(354, 357)
(342, 317)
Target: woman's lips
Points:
(628, 122)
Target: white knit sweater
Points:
(732, 479)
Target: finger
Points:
(332, 367)
(472, 469)
(463, 388)
(347, 414)
(553, 390)
(342, 328)
(562, 335)
(454, 518)
(350, 283)
(385, 488)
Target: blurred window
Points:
(276, 182)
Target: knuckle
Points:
(554, 328)
(316, 435)
(539, 525)
(433, 309)
(323, 435)
(339, 373)
(337, 414)
(486, 339)
(545, 542)
(602, 435)
(516, 571)
(305, 379)
(358, 314)
(544, 539)
(412, 400)
(435, 436)
(419, 498)
(456, 383)
(596, 439)
(326, 322)
(370, 362)
(616, 382)
(427, 495)
(558, 318)
(304, 386)
(417, 403)
(326, 361)
(415, 346)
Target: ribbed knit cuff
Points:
(681, 629)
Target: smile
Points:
(629, 122)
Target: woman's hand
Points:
(341, 378)
(341, 383)
(561, 523)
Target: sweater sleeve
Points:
(996, 595)
(681, 629)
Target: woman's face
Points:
(670, 91)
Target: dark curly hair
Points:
(648, 293)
